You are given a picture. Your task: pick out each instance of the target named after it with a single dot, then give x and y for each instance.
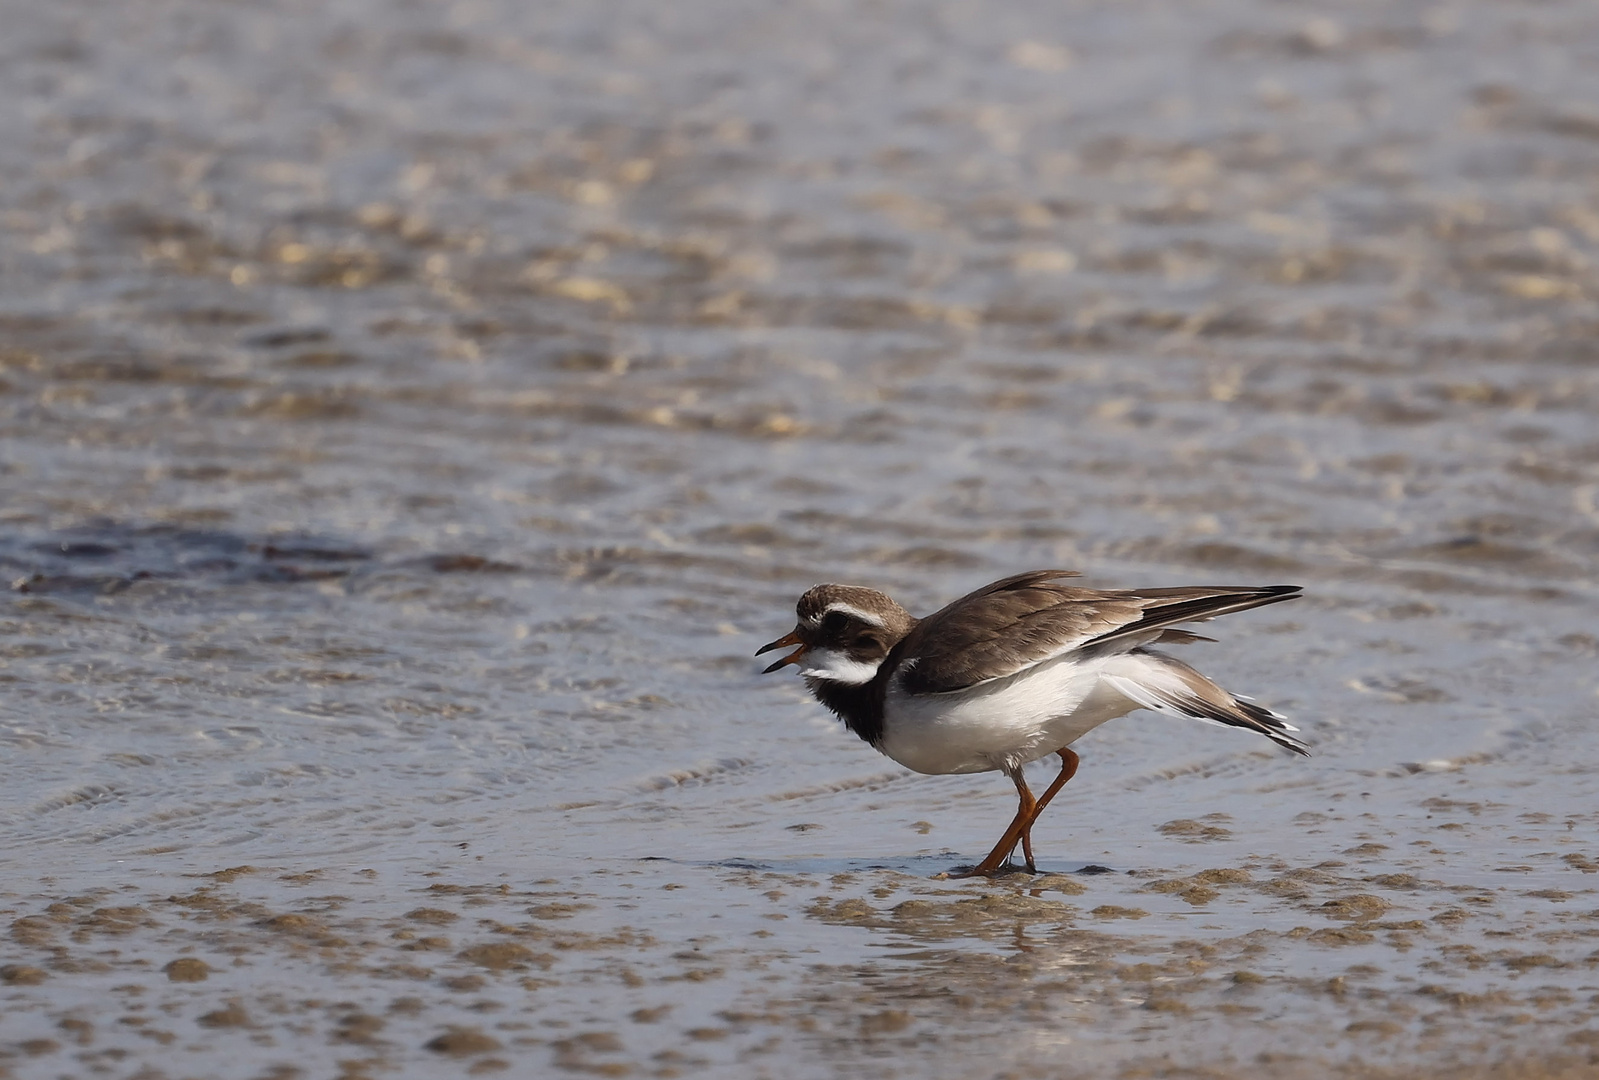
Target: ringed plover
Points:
(1014, 672)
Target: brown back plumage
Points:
(1024, 620)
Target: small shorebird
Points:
(1012, 673)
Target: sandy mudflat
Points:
(414, 416)
(1214, 962)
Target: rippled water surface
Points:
(413, 416)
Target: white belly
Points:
(1002, 724)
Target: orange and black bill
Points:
(791, 638)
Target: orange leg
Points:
(1068, 769)
(1021, 828)
(1000, 856)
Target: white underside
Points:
(1008, 722)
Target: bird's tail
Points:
(1164, 684)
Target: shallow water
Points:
(412, 417)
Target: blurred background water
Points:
(412, 416)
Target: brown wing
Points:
(1024, 620)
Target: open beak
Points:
(791, 638)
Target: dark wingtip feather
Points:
(1180, 637)
(1167, 607)
(1272, 726)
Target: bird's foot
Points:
(981, 870)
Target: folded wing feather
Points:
(1024, 620)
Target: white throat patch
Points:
(836, 667)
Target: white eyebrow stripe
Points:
(855, 613)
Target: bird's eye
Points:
(833, 622)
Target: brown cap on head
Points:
(867, 605)
(846, 618)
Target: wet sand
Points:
(1251, 966)
(412, 418)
